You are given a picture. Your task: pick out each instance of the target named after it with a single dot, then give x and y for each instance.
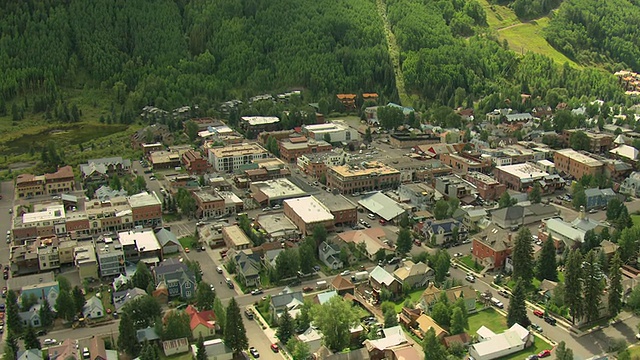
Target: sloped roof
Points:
(281, 300)
(625, 151)
(380, 275)
(457, 292)
(93, 304)
(341, 283)
(206, 318)
(425, 323)
(147, 334)
(509, 213)
(165, 237)
(430, 294)
(326, 296)
(382, 205)
(410, 269)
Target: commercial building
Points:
(420, 195)
(147, 149)
(492, 246)
(86, 262)
(368, 176)
(61, 181)
(344, 211)
(235, 238)
(488, 188)
(292, 148)
(194, 162)
(253, 125)
(265, 169)
(454, 187)
(382, 205)
(99, 171)
(519, 177)
(336, 131)
(165, 159)
(631, 185)
(407, 140)
(599, 143)
(146, 209)
(465, 163)
(316, 164)
(576, 164)
(307, 213)
(208, 204)
(278, 227)
(273, 192)
(141, 245)
(231, 157)
(110, 258)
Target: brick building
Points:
(465, 163)
(519, 177)
(367, 177)
(343, 210)
(488, 188)
(576, 164)
(61, 181)
(292, 148)
(253, 125)
(492, 246)
(599, 143)
(194, 162)
(307, 213)
(208, 205)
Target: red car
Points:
(538, 313)
(307, 289)
(544, 353)
(275, 348)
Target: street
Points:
(5, 225)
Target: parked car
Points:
(532, 357)
(256, 291)
(275, 348)
(254, 352)
(504, 293)
(345, 273)
(470, 278)
(549, 320)
(229, 283)
(544, 353)
(536, 327)
(219, 269)
(249, 314)
(49, 341)
(417, 242)
(307, 289)
(538, 313)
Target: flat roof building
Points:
(344, 211)
(336, 131)
(235, 238)
(519, 177)
(307, 213)
(291, 149)
(231, 157)
(576, 164)
(273, 192)
(368, 176)
(278, 226)
(110, 258)
(253, 125)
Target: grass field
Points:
(635, 219)
(490, 318)
(499, 16)
(414, 296)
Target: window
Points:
(188, 293)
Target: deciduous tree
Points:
(433, 349)
(205, 297)
(535, 196)
(334, 318)
(176, 325)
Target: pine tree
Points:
(127, 341)
(535, 196)
(573, 285)
(517, 308)
(142, 277)
(235, 335)
(14, 324)
(593, 284)
(546, 267)
(286, 328)
(457, 321)
(615, 286)
(65, 306)
(30, 339)
(201, 353)
(523, 257)
(221, 313)
(46, 314)
(10, 346)
(78, 299)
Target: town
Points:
(383, 236)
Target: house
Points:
(493, 346)
(358, 354)
(147, 334)
(31, 317)
(97, 349)
(392, 337)
(463, 339)
(179, 279)
(546, 289)
(270, 257)
(429, 297)
(215, 349)
(248, 267)
(121, 298)
(414, 275)
(31, 354)
(168, 241)
(202, 323)
(515, 216)
(464, 292)
(93, 309)
(380, 279)
(404, 352)
(492, 246)
(313, 338)
(472, 218)
(43, 286)
(66, 350)
(323, 297)
(424, 323)
(442, 231)
(598, 198)
(342, 285)
(631, 185)
(286, 301)
(329, 254)
(374, 239)
(177, 346)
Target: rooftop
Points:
(112, 247)
(334, 202)
(290, 145)
(238, 150)
(17, 283)
(260, 120)
(382, 205)
(144, 199)
(144, 240)
(367, 169)
(523, 171)
(276, 224)
(482, 177)
(236, 234)
(310, 209)
(50, 213)
(579, 157)
(207, 196)
(278, 188)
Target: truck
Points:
(321, 285)
(360, 275)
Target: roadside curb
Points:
(265, 326)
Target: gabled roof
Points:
(425, 323)
(97, 349)
(326, 296)
(381, 276)
(121, 298)
(328, 248)
(446, 225)
(248, 264)
(509, 213)
(173, 268)
(280, 300)
(206, 318)
(341, 283)
(410, 269)
(464, 292)
(147, 334)
(31, 354)
(430, 294)
(165, 237)
(94, 303)
(382, 205)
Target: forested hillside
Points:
(169, 53)
(529, 9)
(596, 31)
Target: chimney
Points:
(582, 214)
(509, 237)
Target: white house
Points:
(493, 346)
(93, 309)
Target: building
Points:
(329, 254)
(512, 217)
(278, 227)
(86, 262)
(232, 157)
(232, 203)
(292, 148)
(599, 143)
(317, 164)
(465, 163)
(598, 198)
(215, 350)
(631, 185)
(194, 162)
(208, 204)
(569, 233)
(253, 125)
(454, 187)
(519, 177)
(576, 164)
(63, 351)
(424, 323)
(380, 279)
(165, 159)
(335, 132)
(147, 149)
(178, 278)
(168, 241)
(307, 213)
(274, 192)
(61, 181)
(93, 308)
(488, 188)
(105, 193)
(110, 258)
(413, 274)
(342, 286)
(235, 238)
(30, 354)
(494, 346)
(265, 169)
(122, 298)
(285, 301)
(420, 195)
(444, 231)
(140, 245)
(347, 100)
(492, 246)
(99, 171)
(369, 176)
(408, 140)
(344, 211)
(177, 346)
(247, 267)
(202, 323)
(156, 133)
(374, 240)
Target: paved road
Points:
(7, 191)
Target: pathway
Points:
(394, 53)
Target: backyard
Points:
(414, 296)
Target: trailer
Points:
(360, 275)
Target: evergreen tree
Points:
(591, 241)
(433, 349)
(127, 340)
(546, 267)
(563, 353)
(30, 339)
(441, 313)
(14, 324)
(457, 321)
(624, 219)
(593, 284)
(390, 319)
(286, 328)
(235, 335)
(573, 285)
(205, 297)
(615, 286)
(78, 299)
(46, 314)
(403, 244)
(221, 313)
(535, 196)
(523, 257)
(463, 309)
(201, 353)
(505, 200)
(367, 135)
(517, 308)
(142, 277)
(10, 346)
(65, 306)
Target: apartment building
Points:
(194, 162)
(292, 148)
(61, 181)
(465, 163)
(99, 171)
(110, 258)
(368, 176)
(316, 164)
(488, 188)
(336, 131)
(576, 164)
(231, 157)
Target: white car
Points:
(345, 273)
(50, 341)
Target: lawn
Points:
(414, 296)
(469, 262)
(530, 37)
(636, 221)
(499, 16)
(490, 318)
(187, 241)
(634, 351)
(537, 346)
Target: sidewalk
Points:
(269, 332)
